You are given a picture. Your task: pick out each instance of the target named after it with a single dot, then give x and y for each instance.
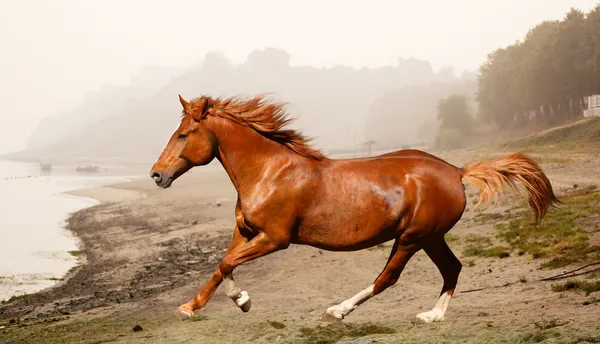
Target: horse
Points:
(290, 193)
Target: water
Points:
(34, 246)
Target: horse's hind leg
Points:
(449, 267)
(399, 256)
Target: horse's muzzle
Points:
(162, 180)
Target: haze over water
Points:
(34, 246)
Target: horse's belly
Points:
(337, 234)
(354, 213)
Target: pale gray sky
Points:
(53, 52)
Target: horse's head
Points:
(192, 144)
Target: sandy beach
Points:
(146, 250)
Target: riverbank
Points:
(148, 250)
(35, 249)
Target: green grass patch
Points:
(488, 252)
(481, 246)
(573, 284)
(450, 238)
(560, 236)
(478, 239)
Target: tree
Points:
(546, 76)
(454, 114)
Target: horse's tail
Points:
(490, 176)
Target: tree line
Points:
(544, 77)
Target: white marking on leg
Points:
(241, 298)
(347, 306)
(438, 312)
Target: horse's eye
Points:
(182, 136)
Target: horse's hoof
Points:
(244, 302)
(183, 313)
(329, 317)
(245, 307)
(429, 317)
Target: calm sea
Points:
(34, 246)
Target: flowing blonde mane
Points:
(265, 117)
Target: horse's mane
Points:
(265, 117)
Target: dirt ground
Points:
(148, 250)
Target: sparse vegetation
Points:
(481, 246)
(469, 263)
(24, 297)
(494, 251)
(450, 237)
(579, 134)
(485, 217)
(548, 324)
(560, 236)
(335, 332)
(536, 337)
(591, 302)
(586, 286)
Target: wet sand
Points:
(148, 250)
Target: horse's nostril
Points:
(156, 176)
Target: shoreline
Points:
(98, 196)
(91, 196)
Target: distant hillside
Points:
(330, 104)
(582, 133)
(99, 104)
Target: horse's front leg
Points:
(258, 246)
(211, 286)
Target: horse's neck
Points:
(245, 154)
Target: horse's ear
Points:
(186, 105)
(200, 109)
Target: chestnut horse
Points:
(289, 193)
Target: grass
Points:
(25, 297)
(334, 332)
(494, 251)
(537, 337)
(591, 302)
(450, 238)
(560, 236)
(583, 133)
(573, 284)
(481, 246)
(550, 323)
(486, 217)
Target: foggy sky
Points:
(53, 52)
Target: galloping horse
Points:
(290, 193)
